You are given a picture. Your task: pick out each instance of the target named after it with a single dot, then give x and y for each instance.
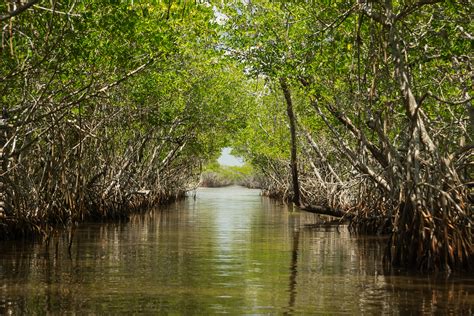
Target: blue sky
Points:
(227, 159)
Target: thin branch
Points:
(58, 12)
(18, 11)
(448, 102)
(128, 75)
(409, 10)
(377, 17)
(339, 20)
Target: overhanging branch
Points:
(18, 11)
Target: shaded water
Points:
(227, 251)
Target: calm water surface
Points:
(227, 251)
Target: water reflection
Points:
(228, 251)
(293, 270)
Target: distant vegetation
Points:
(216, 175)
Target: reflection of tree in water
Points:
(29, 273)
(426, 295)
(294, 226)
(404, 292)
(350, 276)
(112, 267)
(293, 271)
(160, 260)
(14, 270)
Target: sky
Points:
(227, 159)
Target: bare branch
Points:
(377, 17)
(128, 75)
(326, 210)
(18, 11)
(409, 10)
(448, 102)
(340, 19)
(55, 11)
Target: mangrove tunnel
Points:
(359, 112)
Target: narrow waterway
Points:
(227, 250)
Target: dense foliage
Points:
(360, 109)
(379, 93)
(108, 106)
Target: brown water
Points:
(227, 251)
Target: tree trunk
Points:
(325, 210)
(292, 121)
(3, 165)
